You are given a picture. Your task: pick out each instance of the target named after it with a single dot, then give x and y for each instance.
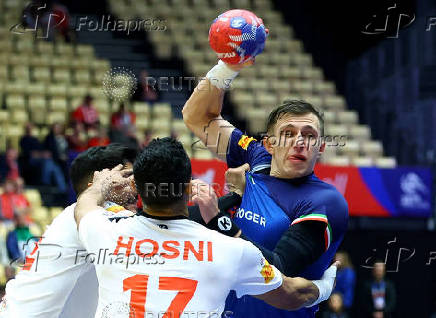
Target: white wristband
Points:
(325, 285)
(221, 75)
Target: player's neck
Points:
(174, 210)
(275, 172)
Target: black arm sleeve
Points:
(225, 203)
(301, 245)
(229, 201)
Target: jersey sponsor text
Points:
(251, 216)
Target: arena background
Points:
(370, 65)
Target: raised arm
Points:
(89, 200)
(202, 111)
(294, 294)
(256, 277)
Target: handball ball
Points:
(237, 36)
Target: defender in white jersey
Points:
(194, 268)
(46, 286)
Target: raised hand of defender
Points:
(116, 185)
(204, 196)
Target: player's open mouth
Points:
(297, 158)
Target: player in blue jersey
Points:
(298, 220)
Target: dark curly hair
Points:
(162, 172)
(96, 159)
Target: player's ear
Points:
(188, 189)
(322, 147)
(268, 144)
(187, 192)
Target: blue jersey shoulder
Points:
(309, 195)
(245, 149)
(324, 195)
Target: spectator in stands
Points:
(122, 119)
(345, 279)
(9, 165)
(50, 17)
(56, 142)
(86, 113)
(146, 91)
(148, 137)
(131, 141)
(78, 140)
(13, 200)
(60, 23)
(21, 204)
(100, 139)
(7, 200)
(35, 157)
(122, 123)
(378, 294)
(335, 308)
(17, 240)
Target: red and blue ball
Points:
(237, 36)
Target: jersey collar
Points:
(174, 217)
(295, 181)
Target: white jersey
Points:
(147, 267)
(45, 286)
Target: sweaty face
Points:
(295, 145)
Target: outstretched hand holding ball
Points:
(237, 36)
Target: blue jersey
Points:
(270, 206)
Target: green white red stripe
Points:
(311, 217)
(320, 218)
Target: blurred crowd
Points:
(15, 222)
(376, 297)
(45, 161)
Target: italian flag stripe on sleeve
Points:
(321, 218)
(311, 217)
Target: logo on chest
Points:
(251, 216)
